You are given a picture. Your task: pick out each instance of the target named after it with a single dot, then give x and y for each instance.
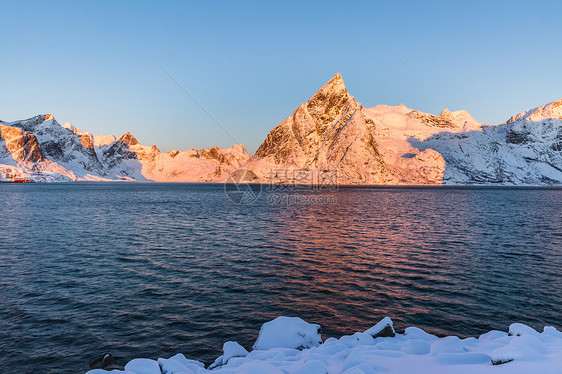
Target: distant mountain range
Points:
(330, 132)
(42, 149)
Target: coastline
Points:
(374, 186)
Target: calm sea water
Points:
(150, 270)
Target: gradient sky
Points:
(250, 64)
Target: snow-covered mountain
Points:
(548, 111)
(398, 145)
(40, 147)
(522, 152)
(330, 133)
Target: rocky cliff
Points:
(331, 131)
(60, 153)
(331, 134)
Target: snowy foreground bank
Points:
(290, 345)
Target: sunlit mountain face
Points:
(397, 145)
(42, 150)
(390, 145)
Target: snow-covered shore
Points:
(292, 346)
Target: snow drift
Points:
(290, 345)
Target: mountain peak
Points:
(128, 139)
(74, 129)
(337, 77)
(49, 116)
(326, 104)
(334, 85)
(552, 110)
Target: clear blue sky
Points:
(250, 64)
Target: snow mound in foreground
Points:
(292, 346)
(288, 332)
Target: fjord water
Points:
(150, 270)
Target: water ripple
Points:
(155, 269)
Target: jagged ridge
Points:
(41, 144)
(330, 132)
(398, 145)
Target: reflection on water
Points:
(155, 269)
